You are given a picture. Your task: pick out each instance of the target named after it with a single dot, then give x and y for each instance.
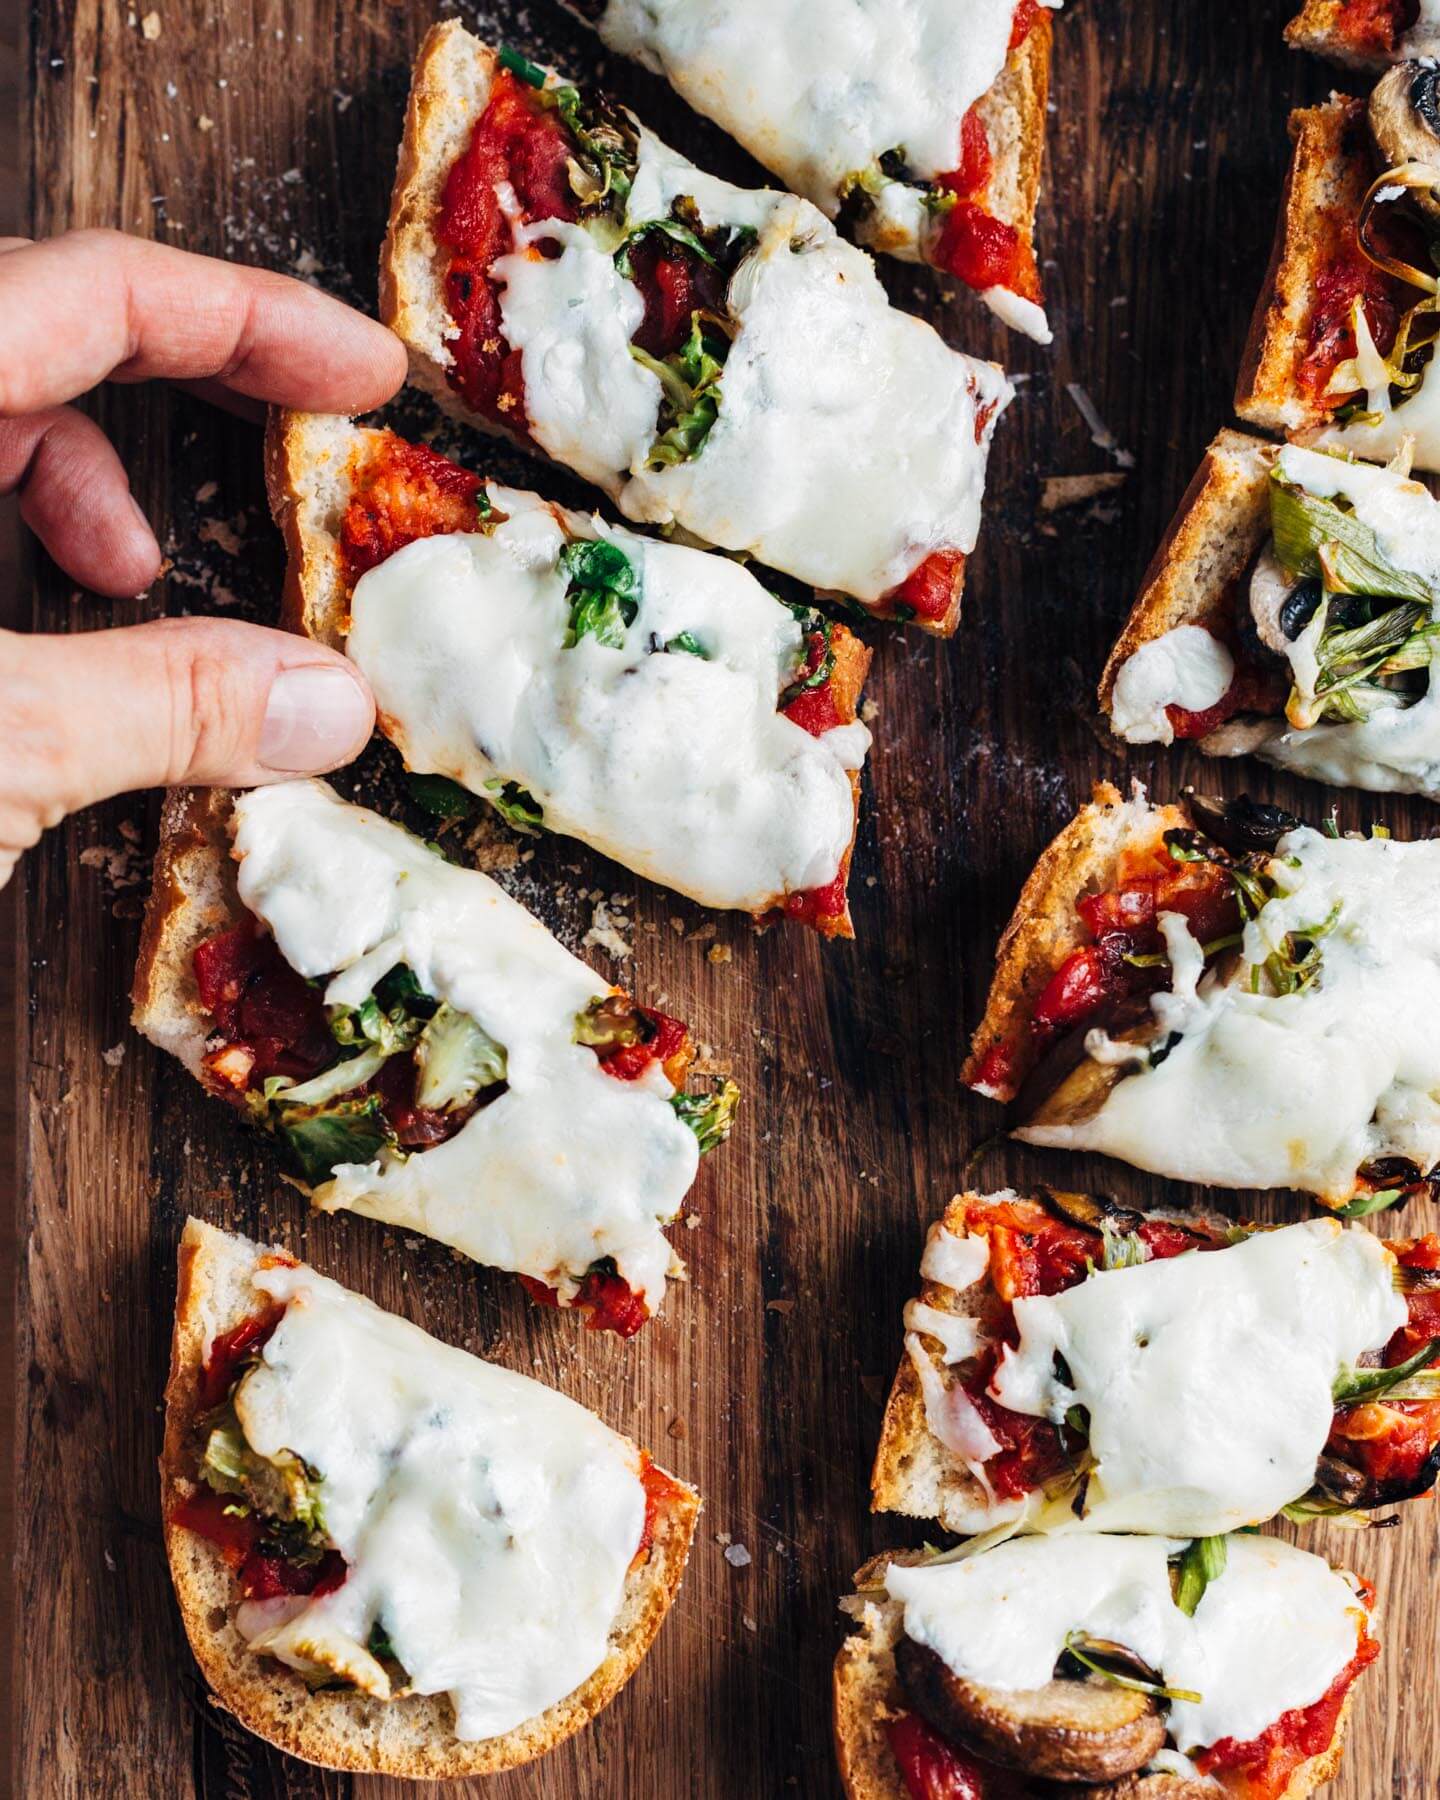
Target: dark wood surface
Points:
(264, 130)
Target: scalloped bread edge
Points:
(1316, 28)
(412, 1737)
(1326, 179)
(1218, 526)
(866, 1692)
(1044, 927)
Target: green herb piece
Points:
(379, 1645)
(341, 1077)
(711, 1115)
(455, 1058)
(1201, 1562)
(1296, 965)
(1354, 1385)
(1123, 1249)
(689, 390)
(388, 1029)
(529, 72)
(319, 1138)
(441, 797)
(685, 643)
(1303, 1512)
(603, 588)
(1088, 1652)
(671, 228)
(516, 806)
(607, 142)
(399, 987)
(1366, 1204)
(284, 1489)
(1303, 525)
(813, 624)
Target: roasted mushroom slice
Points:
(1154, 1786)
(1065, 1731)
(1241, 826)
(1405, 122)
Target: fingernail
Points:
(317, 716)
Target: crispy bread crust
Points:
(866, 1691)
(1218, 527)
(448, 87)
(1044, 927)
(192, 896)
(1316, 27)
(1013, 113)
(1329, 173)
(908, 1458)
(411, 1737)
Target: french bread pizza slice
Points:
(653, 700)
(1342, 339)
(421, 1049)
(390, 1556)
(1366, 34)
(925, 139)
(715, 358)
(1289, 614)
(1222, 994)
(1290, 1368)
(1107, 1668)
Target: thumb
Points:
(211, 702)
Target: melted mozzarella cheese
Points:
(846, 446)
(845, 450)
(679, 766)
(1266, 1090)
(488, 1522)
(1187, 667)
(955, 1262)
(1207, 1377)
(1402, 513)
(566, 1167)
(1270, 1634)
(571, 317)
(816, 91)
(1383, 429)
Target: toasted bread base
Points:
(1316, 27)
(1219, 526)
(866, 1692)
(1012, 111)
(1044, 927)
(412, 1737)
(1329, 173)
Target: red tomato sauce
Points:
(932, 1768)
(660, 1489)
(973, 245)
(1393, 1441)
(606, 1300)
(262, 1574)
(1349, 275)
(669, 1040)
(930, 587)
(229, 1354)
(519, 141)
(402, 493)
(1375, 27)
(1260, 1768)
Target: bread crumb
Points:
(780, 1306)
(1060, 491)
(150, 27)
(606, 925)
(114, 1056)
(869, 711)
(737, 1556)
(205, 122)
(206, 492)
(675, 1429)
(718, 953)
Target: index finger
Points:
(77, 309)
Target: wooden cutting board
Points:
(264, 131)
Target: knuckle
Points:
(210, 711)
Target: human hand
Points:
(212, 702)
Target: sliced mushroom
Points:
(1090, 1211)
(1066, 1731)
(1405, 122)
(1270, 594)
(1243, 825)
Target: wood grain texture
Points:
(264, 130)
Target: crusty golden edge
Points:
(1020, 94)
(1044, 927)
(301, 449)
(905, 1434)
(865, 1691)
(411, 1737)
(192, 896)
(1217, 529)
(412, 298)
(1324, 175)
(1316, 28)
